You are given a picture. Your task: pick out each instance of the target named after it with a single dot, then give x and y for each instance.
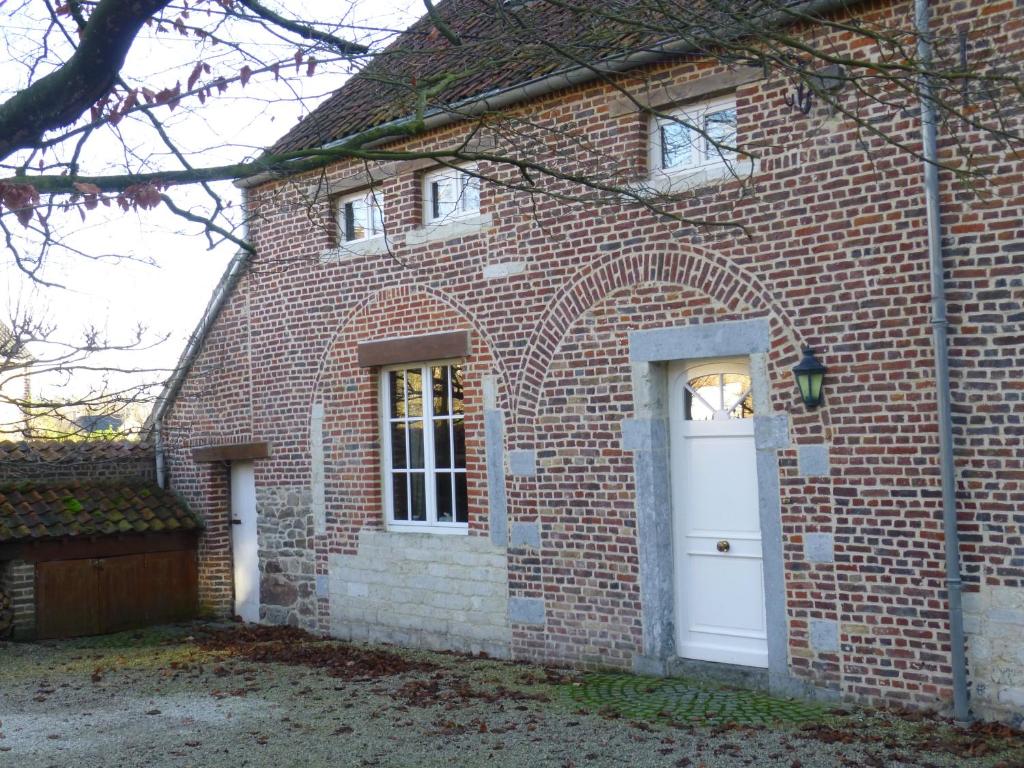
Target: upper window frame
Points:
(373, 199)
(464, 175)
(431, 524)
(704, 155)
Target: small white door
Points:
(244, 545)
(719, 582)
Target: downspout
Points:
(940, 325)
(220, 295)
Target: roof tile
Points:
(39, 511)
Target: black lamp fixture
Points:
(810, 374)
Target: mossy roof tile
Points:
(40, 511)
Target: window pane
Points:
(357, 219)
(439, 385)
(461, 499)
(721, 129)
(470, 193)
(442, 444)
(459, 434)
(676, 145)
(398, 445)
(414, 392)
(456, 388)
(444, 497)
(396, 383)
(416, 444)
(399, 498)
(376, 214)
(447, 200)
(418, 496)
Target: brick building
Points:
(448, 408)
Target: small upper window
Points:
(694, 137)
(361, 216)
(450, 193)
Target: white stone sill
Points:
(674, 182)
(449, 230)
(445, 530)
(373, 246)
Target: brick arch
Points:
(713, 275)
(409, 293)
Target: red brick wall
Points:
(834, 253)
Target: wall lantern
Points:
(810, 374)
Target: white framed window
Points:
(694, 137)
(424, 448)
(450, 193)
(360, 216)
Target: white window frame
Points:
(431, 524)
(372, 199)
(704, 155)
(464, 176)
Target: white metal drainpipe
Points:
(940, 324)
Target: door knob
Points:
(722, 546)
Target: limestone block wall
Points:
(430, 591)
(18, 581)
(287, 559)
(994, 622)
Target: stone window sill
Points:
(374, 246)
(674, 182)
(449, 230)
(445, 530)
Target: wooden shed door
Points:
(96, 596)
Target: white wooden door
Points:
(719, 582)
(244, 544)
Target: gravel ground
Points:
(172, 697)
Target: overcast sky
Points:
(166, 280)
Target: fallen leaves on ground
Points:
(288, 645)
(931, 735)
(451, 692)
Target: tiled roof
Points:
(506, 46)
(35, 511)
(55, 451)
(496, 53)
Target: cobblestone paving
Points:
(680, 699)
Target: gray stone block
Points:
(771, 432)
(526, 610)
(522, 463)
(819, 548)
(497, 502)
(322, 585)
(824, 635)
(688, 342)
(648, 666)
(644, 434)
(525, 535)
(813, 460)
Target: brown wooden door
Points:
(173, 586)
(66, 599)
(123, 592)
(96, 596)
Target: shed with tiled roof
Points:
(80, 558)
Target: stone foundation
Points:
(994, 622)
(425, 590)
(287, 564)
